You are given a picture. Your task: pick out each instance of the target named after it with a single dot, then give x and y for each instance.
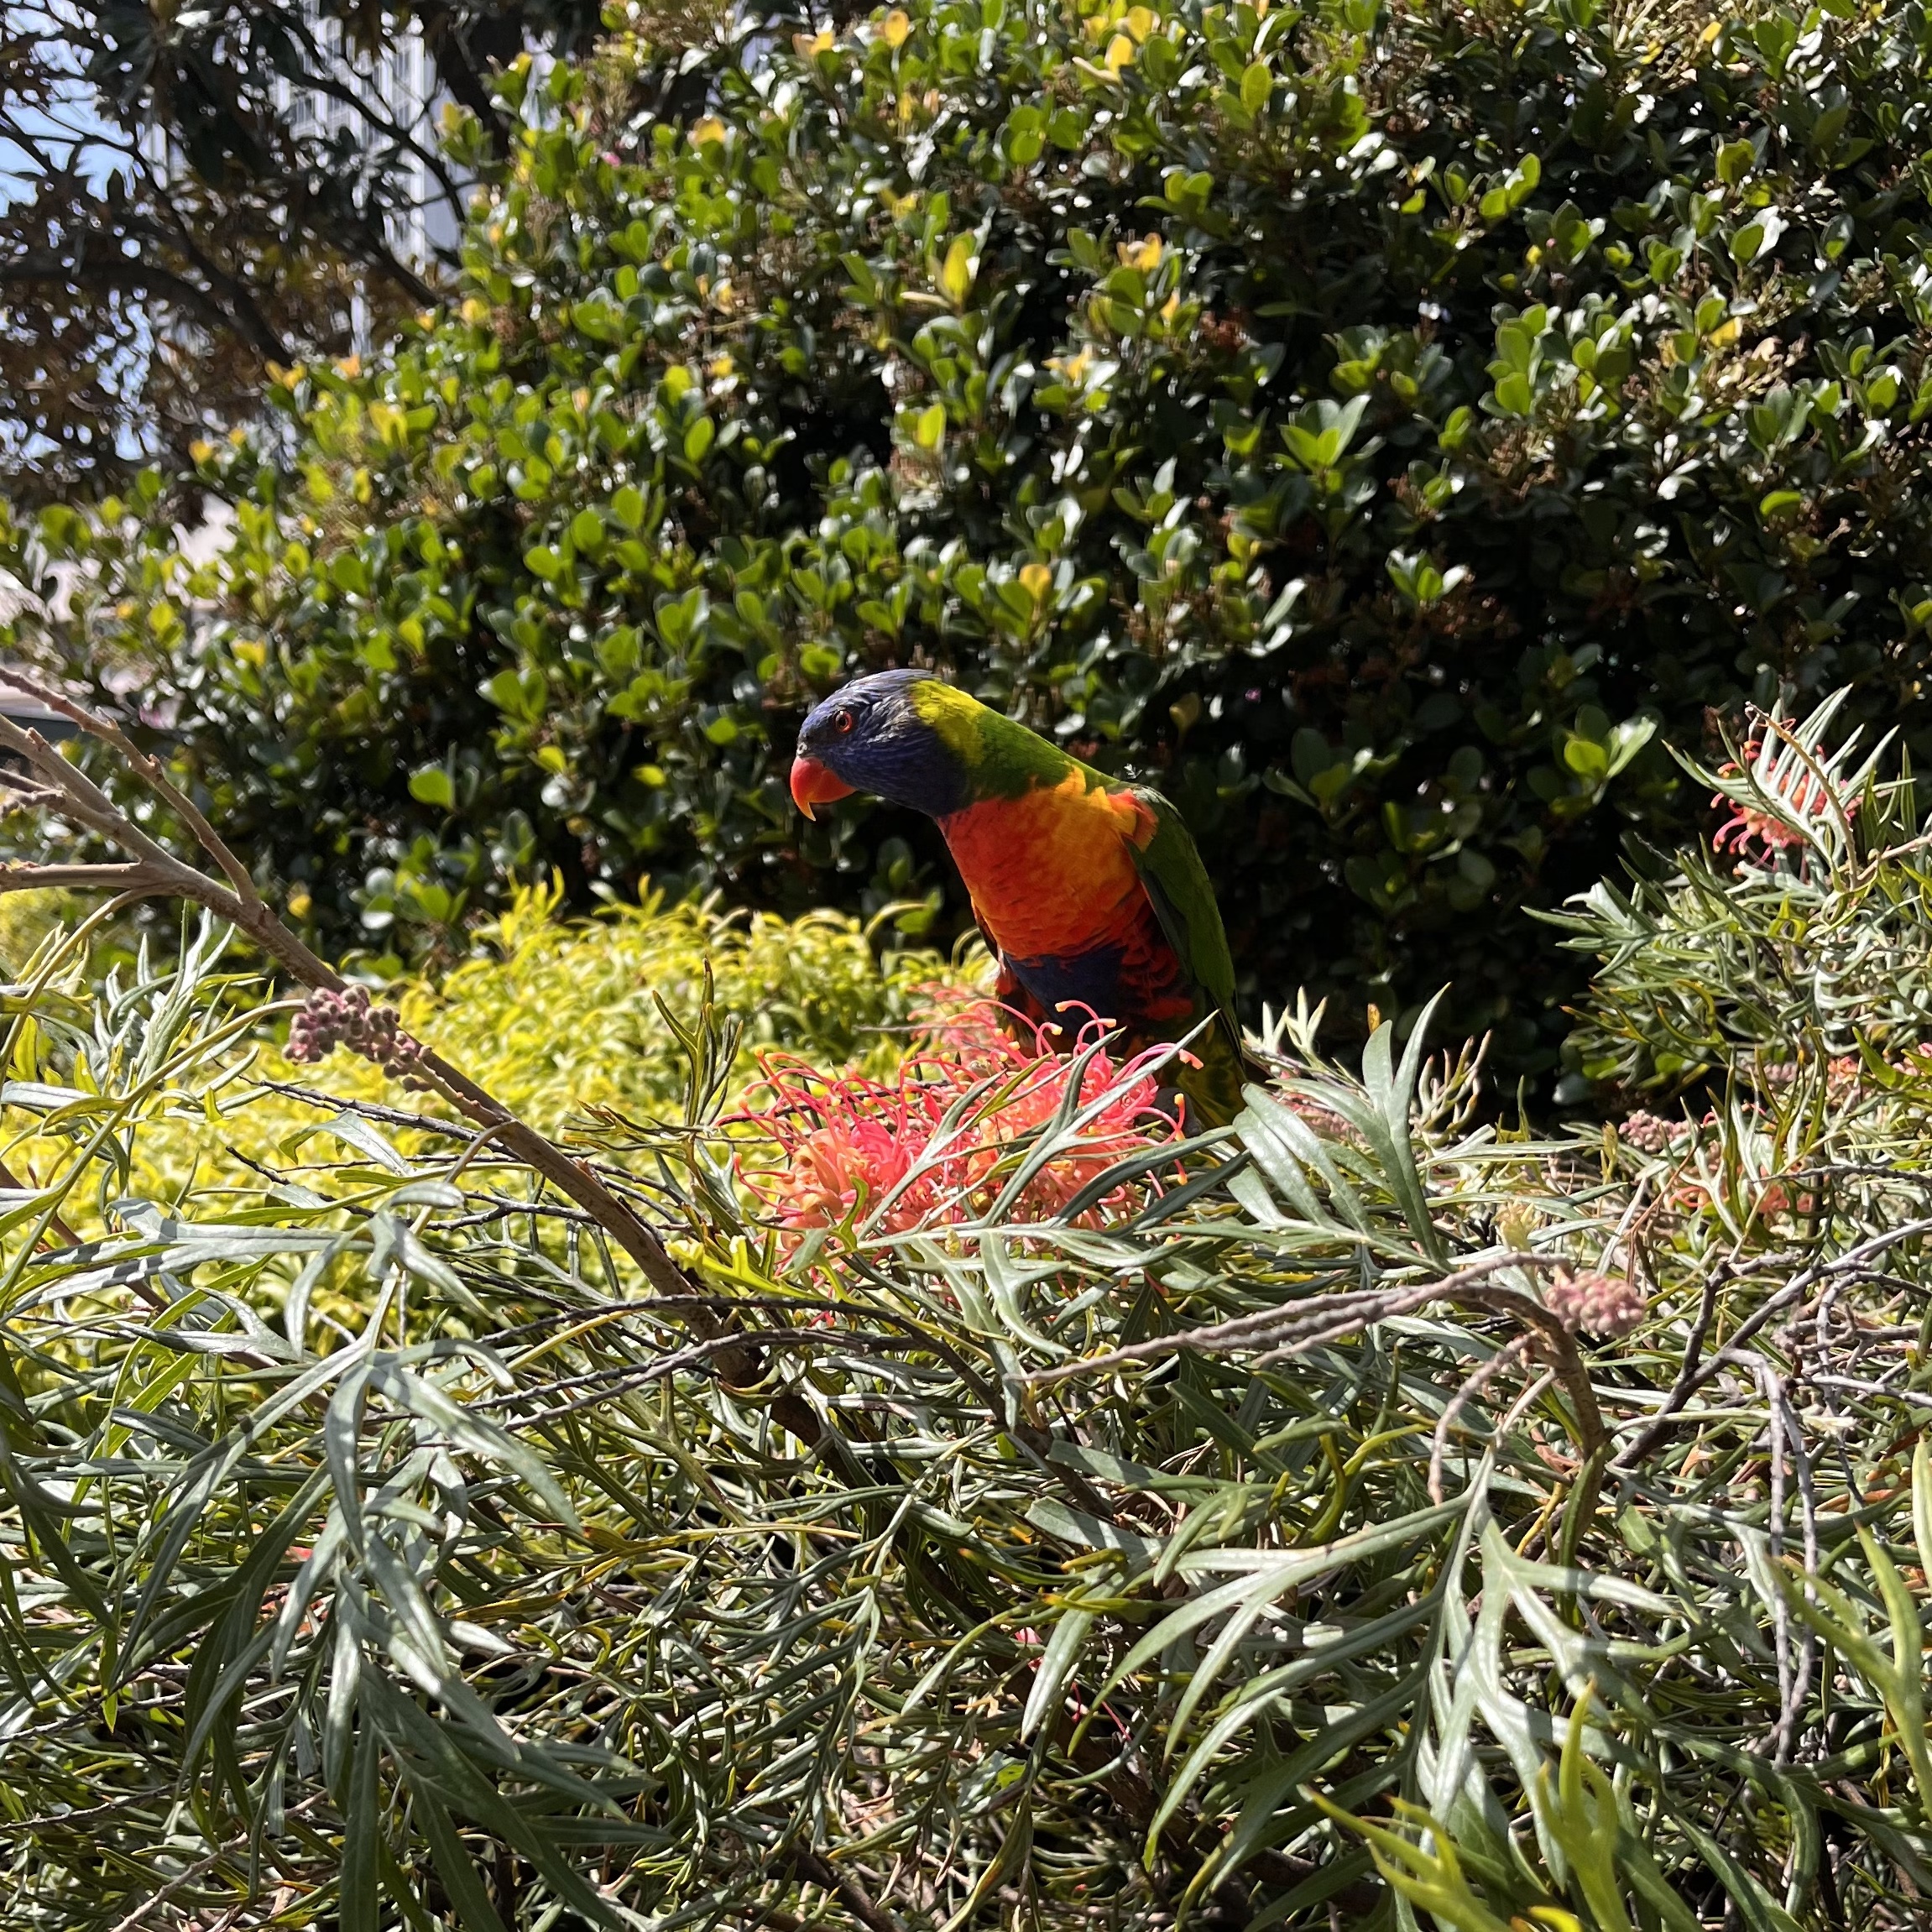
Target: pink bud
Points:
(1597, 1303)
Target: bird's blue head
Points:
(882, 735)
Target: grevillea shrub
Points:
(1399, 1519)
(1794, 942)
(1399, 1522)
(1402, 1518)
(1384, 426)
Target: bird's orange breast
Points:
(1052, 872)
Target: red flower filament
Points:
(935, 1146)
(1801, 790)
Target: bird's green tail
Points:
(1213, 1089)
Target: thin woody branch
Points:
(149, 769)
(139, 879)
(1293, 1330)
(155, 871)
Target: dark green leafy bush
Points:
(1372, 423)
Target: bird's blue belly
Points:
(1091, 980)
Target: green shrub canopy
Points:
(1371, 424)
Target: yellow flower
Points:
(895, 28)
(1119, 54)
(1036, 580)
(721, 367)
(706, 131)
(351, 366)
(201, 449)
(1146, 256)
(1140, 22)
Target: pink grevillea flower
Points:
(935, 1146)
(1800, 789)
(837, 1167)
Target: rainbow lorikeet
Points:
(1090, 891)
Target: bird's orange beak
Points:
(815, 784)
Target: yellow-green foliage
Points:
(27, 920)
(554, 1017)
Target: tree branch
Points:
(130, 275)
(142, 882)
(147, 769)
(157, 871)
(457, 72)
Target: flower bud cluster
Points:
(1843, 1074)
(347, 1019)
(1648, 1133)
(1600, 1304)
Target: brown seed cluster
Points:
(348, 1018)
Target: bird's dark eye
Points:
(841, 722)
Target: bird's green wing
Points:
(1183, 900)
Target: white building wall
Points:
(401, 83)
